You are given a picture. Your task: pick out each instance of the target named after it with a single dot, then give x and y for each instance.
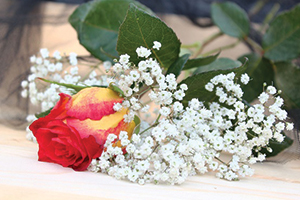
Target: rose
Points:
(75, 130)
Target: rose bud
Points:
(76, 129)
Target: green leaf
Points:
(116, 89)
(77, 88)
(177, 66)
(277, 147)
(137, 122)
(231, 19)
(43, 114)
(197, 62)
(219, 64)
(142, 29)
(196, 84)
(282, 39)
(288, 81)
(97, 25)
(260, 71)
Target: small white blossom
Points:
(164, 111)
(263, 97)
(107, 65)
(44, 53)
(156, 45)
(124, 59)
(143, 52)
(245, 79)
(56, 55)
(209, 87)
(289, 126)
(271, 90)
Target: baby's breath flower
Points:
(117, 106)
(209, 87)
(271, 89)
(143, 52)
(156, 45)
(245, 79)
(44, 53)
(124, 59)
(263, 97)
(289, 126)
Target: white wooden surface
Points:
(23, 177)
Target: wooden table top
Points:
(23, 177)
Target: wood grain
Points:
(23, 177)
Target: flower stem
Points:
(222, 48)
(194, 45)
(255, 45)
(153, 125)
(269, 17)
(205, 43)
(143, 91)
(221, 161)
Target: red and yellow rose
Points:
(76, 129)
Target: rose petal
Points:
(59, 144)
(100, 129)
(93, 149)
(93, 103)
(60, 110)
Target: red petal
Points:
(60, 109)
(93, 103)
(100, 129)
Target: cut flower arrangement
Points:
(137, 120)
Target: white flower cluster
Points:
(58, 68)
(147, 76)
(61, 69)
(186, 141)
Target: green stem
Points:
(269, 16)
(143, 91)
(221, 161)
(87, 75)
(222, 48)
(188, 46)
(206, 42)
(101, 72)
(153, 125)
(257, 7)
(255, 45)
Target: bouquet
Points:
(131, 115)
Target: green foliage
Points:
(231, 19)
(115, 88)
(219, 64)
(97, 25)
(76, 88)
(282, 39)
(178, 65)
(288, 81)
(196, 83)
(260, 70)
(198, 62)
(141, 29)
(43, 114)
(277, 147)
(137, 122)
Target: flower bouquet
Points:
(132, 116)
